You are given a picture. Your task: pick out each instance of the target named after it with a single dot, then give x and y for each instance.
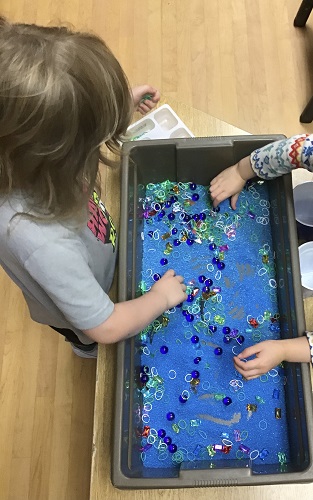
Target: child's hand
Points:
(231, 181)
(145, 98)
(268, 355)
(170, 289)
(228, 183)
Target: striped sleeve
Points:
(310, 340)
(280, 157)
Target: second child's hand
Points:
(230, 182)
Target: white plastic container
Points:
(162, 123)
(303, 203)
(306, 264)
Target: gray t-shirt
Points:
(63, 272)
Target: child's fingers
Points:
(180, 278)
(169, 272)
(248, 375)
(143, 108)
(246, 366)
(233, 201)
(156, 96)
(249, 351)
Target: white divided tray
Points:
(162, 123)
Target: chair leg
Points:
(307, 113)
(303, 13)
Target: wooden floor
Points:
(241, 61)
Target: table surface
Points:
(201, 125)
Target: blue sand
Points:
(210, 407)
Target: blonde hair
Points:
(62, 94)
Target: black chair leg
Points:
(307, 113)
(303, 13)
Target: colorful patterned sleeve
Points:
(280, 157)
(310, 340)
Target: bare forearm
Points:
(296, 350)
(245, 170)
(129, 318)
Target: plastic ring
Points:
(263, 427)
(227, 442)
(241, 396)
(172, 374)
(145, 418)
(254, 454)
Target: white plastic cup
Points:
(306, 264)
(303, 203)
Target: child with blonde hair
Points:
(63, 94)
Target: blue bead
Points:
(161, 214)
(189, 242)
(163, 262)
(276, 393)
(218, 351)
(206, 289)
(197, 360)
(227, 401)
(144, 378)
(195, 217)
(186, 218)
(170, 415)
(221, 265)
(212, 246)
(168, 204)
(202, 216)
(150, 233)
(183, 399)
(172, 448)
(156, 277)
(208, 282)
(202, 279)
(195, 339)
(174, 230)
(164, 349)
(215, 260)
(217, 209)
(195, 197)
(190, 318)
(190, 298)
(192, 186)
(167, 440)
(171, 216)
(173, 198)
(240, 339)
(263, 454)
(161, 433)
(195, 374)
(184, 312)
(157, 207)
(226, 330)
(226, 339)
(179, 305)
(176, 243)
(213, 328)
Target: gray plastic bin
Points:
(199, 160)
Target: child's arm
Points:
(130, 317)
(273, 160)
(271, 353)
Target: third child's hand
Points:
(268, 354)
(171, 289)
